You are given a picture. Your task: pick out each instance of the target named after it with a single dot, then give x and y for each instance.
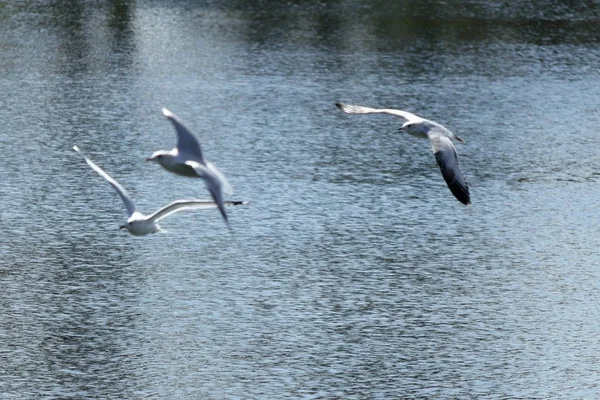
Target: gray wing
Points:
(227, 189)
(350, 109)
(180, 205)
(186, 141)
(120, 190)
(214, 184)
(447, 159)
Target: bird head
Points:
(157, 156)
(410, 126)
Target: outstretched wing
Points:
(350, 109)
(445, 155)
(186, 141)
(180, 205)
(213, 182)
(120, 190)
(227, 189)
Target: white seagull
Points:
(438, 135)
(139, 224)
(187, 159)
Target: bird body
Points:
(140, 225)
(172, 162)
(441, 143)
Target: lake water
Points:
(353, 273)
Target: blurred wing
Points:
(349, 109)
(120, 190)
(214, 183)
(186, 141)
(445, 155)
(226, 187)
(215, 180)
(180, 205)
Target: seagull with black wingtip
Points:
(439, 137)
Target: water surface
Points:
(353, 273)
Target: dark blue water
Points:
(353, 273)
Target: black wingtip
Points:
(456, 183)
(461, 193)
(339, 105)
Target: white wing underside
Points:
(120, 190)
(180, 205)
(350, 109)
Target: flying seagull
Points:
(438, 135)
(139, 224)
(187, 159)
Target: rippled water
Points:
(353, 273)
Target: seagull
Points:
(438, 135)
(188, 160)
(139, 224)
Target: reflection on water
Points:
(354, 273)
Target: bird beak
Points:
(459, 139)
(149, 159)
(123, 227)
